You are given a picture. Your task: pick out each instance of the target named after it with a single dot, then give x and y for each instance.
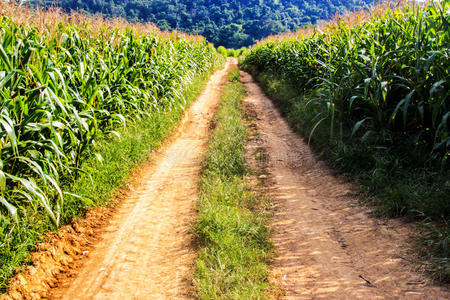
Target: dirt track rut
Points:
(327, 246)
(146, 252)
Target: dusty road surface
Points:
(146, 252)
(326, 246)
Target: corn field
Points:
(62, 91)
(385, 82)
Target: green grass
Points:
(231, 230)
(98, 183)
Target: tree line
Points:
(228, 23)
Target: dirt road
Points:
(146, 252)
(327, 247)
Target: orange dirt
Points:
(145, 249)
(326, 245)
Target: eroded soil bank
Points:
(326, 245)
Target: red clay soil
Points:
(142, 248)
(326, 245)
(60, 252)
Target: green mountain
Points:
(229, 23)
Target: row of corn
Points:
(385, 82)
(65, 87)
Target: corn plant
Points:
(61, 92)
(386, 80)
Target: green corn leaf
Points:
(4, 79)
(6, 123)
(11, 209)
(358, 125)
(5, 58)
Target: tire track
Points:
(146, 252)
(328, 247)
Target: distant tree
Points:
(231, 23)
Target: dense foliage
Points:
(382, 85)
(65, 89)
(232, 24)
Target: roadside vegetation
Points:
(231, 52)
(371, 92)
(83, 101)
(231, 229)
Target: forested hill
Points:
(229, 23)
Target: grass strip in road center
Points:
(232, 263)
